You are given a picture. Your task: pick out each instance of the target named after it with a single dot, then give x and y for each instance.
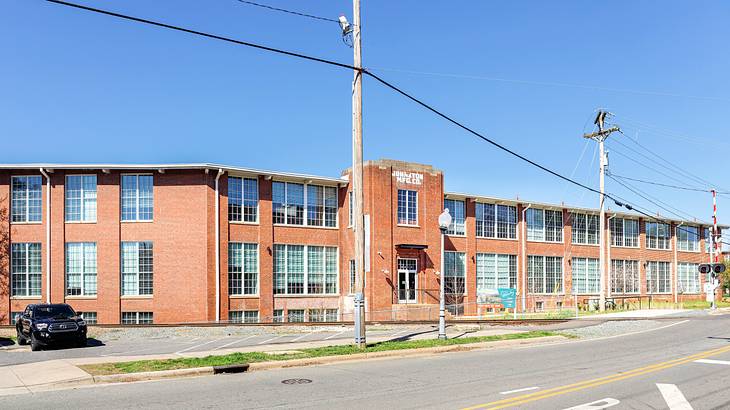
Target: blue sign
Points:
(508, 296)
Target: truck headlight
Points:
(82, 323)
(41, 326)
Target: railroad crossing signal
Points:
(714, 269)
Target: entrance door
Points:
(407, 280)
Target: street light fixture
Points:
(444, 222)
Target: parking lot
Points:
(163, 340)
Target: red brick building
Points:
(169, 243)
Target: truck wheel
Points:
(34, 345)
(20, 338)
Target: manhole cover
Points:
(296, 381)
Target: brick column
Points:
(266, 250)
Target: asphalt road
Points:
(621, 372)
(131, 344)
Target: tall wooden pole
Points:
(357, 176)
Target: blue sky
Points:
(79, 87)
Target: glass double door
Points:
(407, 280)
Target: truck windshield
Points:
(43, 312)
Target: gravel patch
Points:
(614, 328)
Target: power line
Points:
(686, 188)
(685, 173)
(680, 214)
(548, 83)
(668, 169)
(200, 33)
(296, 13)
(372, 75)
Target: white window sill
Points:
(80, 222)
(543, 241)
(136, 296)
(625, 247)
(311, 295)
(332, 228)
(81, 297)
(26, 297)
(658, 249)
(243, 223)
(137, 221)
(456, 235)
(27, 223)
(256, 296)
(497, 239)
(408, 226)
(585, 244)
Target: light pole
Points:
(444, 222)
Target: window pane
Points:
(456, 209)
(294, 204)
(330, 206)
(315, 205)
(279, 202)
(235, 199)
(535, 225)
(129, 197)
(250, 200)
(235, 268)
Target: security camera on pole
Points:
(444, 222)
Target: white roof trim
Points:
(228, 168)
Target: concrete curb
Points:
(163, 374)
(205, 371)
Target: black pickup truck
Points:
(46, 324)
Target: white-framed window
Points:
(625, 276)
(295, 315)
(351, 210)
(458, 217)
(544, 274)
(495, 271)
(496, 221)
(304, 204)
(585, 228)
(137, 267)
(624, 232)
(353, 276)
(305, 269)
(26, 203)
(658, 277)
(80, 198)
(688, 278)
(688, 238)
(81, 269)
(137, 318)
(137, 197)
(586, 276)
(243, 199)
(278, 316)
(25, 269)
(89, 317)
(455, 275)
(322, 315)
(243, 268)
(407, 207)
(243, 316)
(657, 235)
(544, 225)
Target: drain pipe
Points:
(608, 257)
(48, 235)
(675, 282)
(217, 250)
(524, 259)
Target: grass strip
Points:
(253, 357)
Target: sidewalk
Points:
(644, 313)
(64, 373)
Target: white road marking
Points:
(234, 342)
(674, 398)
(596, 405)
(268, 340)
(196, 346)
(298, 338)
(519, 390)
(710, 361)
(334, 335)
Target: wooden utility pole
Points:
(357, 185)
(601, 136)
